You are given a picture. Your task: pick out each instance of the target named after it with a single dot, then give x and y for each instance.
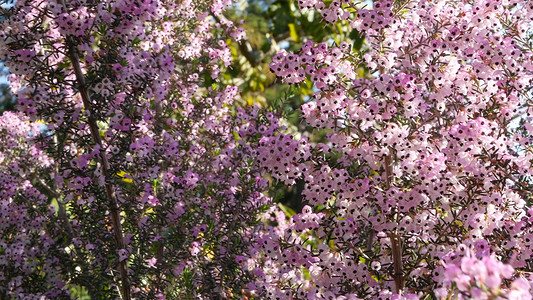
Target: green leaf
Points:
(293, 33)
(287, 210)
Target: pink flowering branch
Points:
(104, 163)
(93, 127)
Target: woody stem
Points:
(104, 163)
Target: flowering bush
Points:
(147, 182)
(139, 185)
(425, 158)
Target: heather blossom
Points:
(421, 159)
(135, 186)
(146, 182)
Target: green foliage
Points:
(271, 26)
(7, 102)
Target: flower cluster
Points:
(146, 182)
(482, 279)
(323, 65)
(422, 156)
(135, 185)
(28, 224)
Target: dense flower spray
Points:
(423, 185)
(139, 186)
(146, 183)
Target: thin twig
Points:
(62, 212)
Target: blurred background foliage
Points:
(272, 25)
(7, 102)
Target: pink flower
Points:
(123, 254)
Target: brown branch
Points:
(388, 169)
(395, 239)
(95, 134)
(396, 245)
